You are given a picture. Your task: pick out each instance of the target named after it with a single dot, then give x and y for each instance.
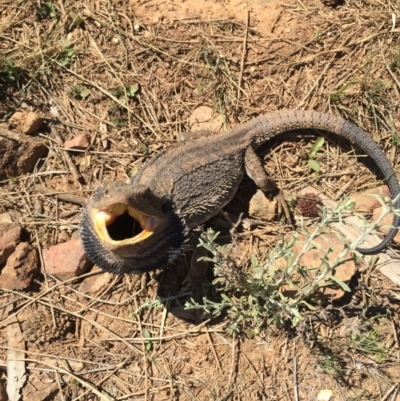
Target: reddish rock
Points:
(81, 141)
(366, 202)
(19, 153)
(204, 118)
(26, 121)
(66, 260)
(10, 236)
(20, 268)
(312, 261)
(96, 283)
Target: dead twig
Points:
(76, 199)
(67, 156)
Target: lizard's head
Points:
(128, 229)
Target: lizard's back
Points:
(201, 175)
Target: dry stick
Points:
(295, 389)
(390, 71)
(83, 382)
(391, 390)
(145, 360)
(254, 371)
(244, 52)
(106, 377)
(45, 275)
(396, 337)
(76, 199)
(67, 156)
(57, 375)
(141, 392)
(342, 190)
(163, 319)
(43, 354)
(213, 351)
(235, 358)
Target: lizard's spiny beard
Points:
(155, 245)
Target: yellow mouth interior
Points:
(119, 224)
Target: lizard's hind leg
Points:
(256, 171)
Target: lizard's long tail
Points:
(271, 125)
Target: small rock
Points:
(6, 218)
(66, 260)
(261, 207)
(26, 121)
(10, 236)
(386, 223)
(20, 268)
(19, 153)
(38, 206)
(96, 283)
(204, 118)
(81, 141)
(366, 202)
(325, 395)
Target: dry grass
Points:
(100, 69)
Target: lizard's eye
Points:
(166, 207)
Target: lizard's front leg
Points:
(256, 171)
(197, 274)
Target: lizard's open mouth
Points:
(122, 224)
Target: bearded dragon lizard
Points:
(143, 225)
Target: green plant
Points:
(80, 91)
(310, 156)
(9, 71)
(330, 361)
(46, 10)
(126, 92)
(395, 62)
(149, 342)
(68, 53)
(371, 345)
(341, 92)
(254, 297)
(76, 19)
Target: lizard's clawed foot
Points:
(283, 208)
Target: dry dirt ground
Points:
(131, 75)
